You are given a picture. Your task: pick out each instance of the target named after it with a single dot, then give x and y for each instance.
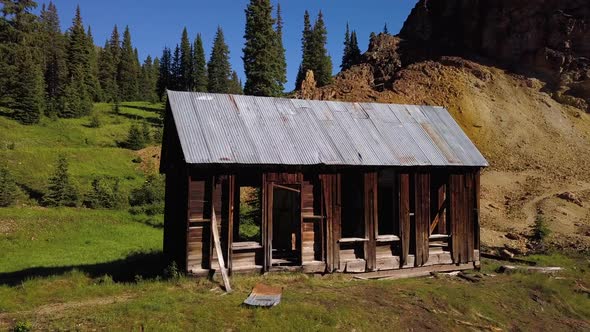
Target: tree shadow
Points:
(143, 108)
(151, 120)
(141, 265)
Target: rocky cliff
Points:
(547, 38)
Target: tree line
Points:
(61, 74)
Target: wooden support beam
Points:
(404, 216)
(217, 244)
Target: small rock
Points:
(571, 197)
(512, 236)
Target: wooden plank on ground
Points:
(217, 243)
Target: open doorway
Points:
(286, 226)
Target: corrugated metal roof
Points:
(231, 129)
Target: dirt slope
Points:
(537, 147)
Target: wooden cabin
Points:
(339, 187)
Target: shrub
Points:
(135, 138)
(104, 194)
(23, 327)
(94, 121)
(541, 230)
(149, 198)
(60, 192)
(146, 132)
(8, 188)
(158, 135)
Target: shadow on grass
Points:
(143, 265)
(153, 109)
(156, 122)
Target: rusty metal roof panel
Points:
(220, 128)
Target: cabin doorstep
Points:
(341, 187)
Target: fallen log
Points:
(508, 259)
(468, 277)
(531, 269)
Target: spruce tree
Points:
(164, 73)
(186, 63)
(346, 61)
(281, 57)
(385, 29)
(127, 72)
(29, 94)
(60, 192)
(321, 62)
(199, 65)
(147, 82)
(175, 72)
(219, 69)
(55, 69)
(261, 53)
(78, 100)
(8, 188)
(108, 64)
(355, 51)
(135, 138)
(305, 50)
(235, 84)
(92, 79)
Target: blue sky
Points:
(155, 24)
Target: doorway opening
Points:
(286, 226)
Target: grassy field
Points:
(82, 269)
(31, 151)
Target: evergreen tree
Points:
(321, 62)
(355, 51)
(235, 84)
(281, 57)
(108, 64)
(346, 54)
(186, 63)
(55, 70)
(164, 73)
(147, 81)
(146, 133)
(218, 67)
(176, 73)
(60, 192)
(8, 188)
(127, 72)
(135, 138)
(199, 65)
(28, 103)
(92, 79)
(385, 29)
(261, 54)
(78, 100)
(305, 50)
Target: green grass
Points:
(30, 151)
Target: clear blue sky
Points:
(155, 24)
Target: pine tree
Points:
(78, 100)
(346, 53)
(147, 81)
(355, 51)
(235, 84)
(385, 29)
(135, 138)
(164, 73)
(305, 50)
(186, 62)
(108, 63)
(218, 67)
(28, 102)
(281, 57)
(199, 65)
(261, 53)
(8, 188)
(55, 69)
(92, 79)
(321, 62)
(127, 72)
(175, 72)
(60, 192)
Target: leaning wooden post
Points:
(218, 250)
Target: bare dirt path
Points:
(56, 308)
(530, 207)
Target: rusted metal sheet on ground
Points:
(264, 296)
(228, 129)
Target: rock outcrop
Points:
(547, 38)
